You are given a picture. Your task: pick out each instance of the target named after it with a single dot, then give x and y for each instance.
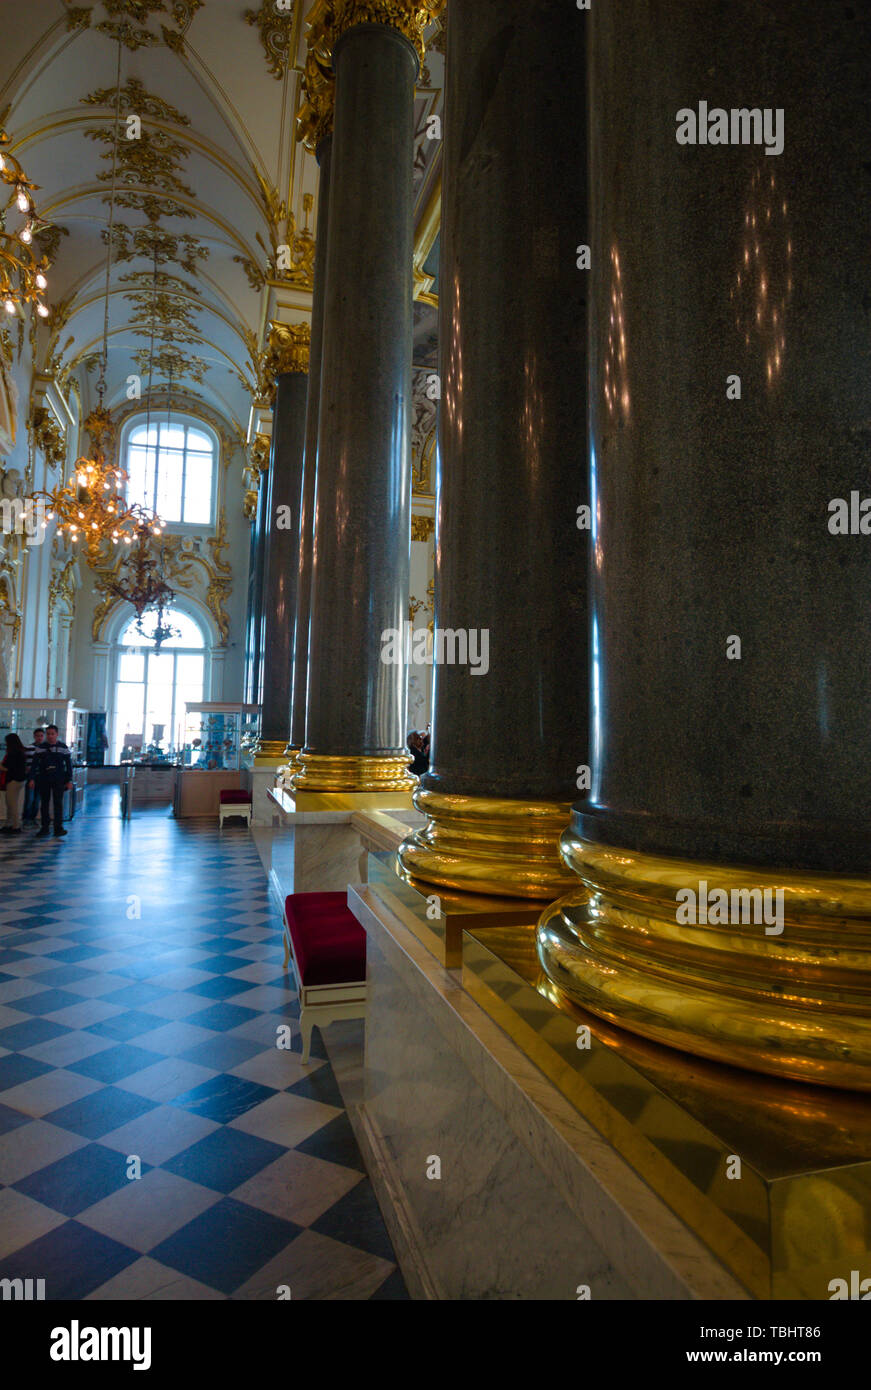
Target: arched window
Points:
(152, 686)
(171, 470)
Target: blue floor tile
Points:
(223, 1098)
(76, 1182)
(72, 1259)
(224, 1159)
(226, 1245)
(99, 1113)
(114, 1063)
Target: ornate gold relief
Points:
(291, 259)
(135, 97)
(128, 21)
(47, 435)
(157, 246)
(258, 464)
(328, 20)
(287, 348)
(422, 527)
(275, 25)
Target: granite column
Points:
(355, 712)
(290, 346)
(305, 504)
(512, 541)
(725, 849)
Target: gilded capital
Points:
(288, 348)
(328, 21)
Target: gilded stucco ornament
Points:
(275, 26)
(288, 348)
(330, 19)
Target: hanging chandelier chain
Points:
(101, 384)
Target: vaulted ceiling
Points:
(215, 205)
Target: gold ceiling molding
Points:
(136, 99)
(171, 364)
(328, 20)
(168, 317)
(158, 246)
(275, 22)
(152, 161)
(128, 21)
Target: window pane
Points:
(140, 469)
(131, 667)
(190, 634)
(198, 442)
(198, 489)
(169, 478)
(172, 437)
(190, 672)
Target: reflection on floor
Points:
(141, 992)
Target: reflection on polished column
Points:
(317, 132)
(725, 849)
(355, 713)
(510, 557)
(288, 359)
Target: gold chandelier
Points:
(22, 271)
(91, 507)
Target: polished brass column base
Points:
(786, 992)
(488, 845)
(268, 752)
(325, 772)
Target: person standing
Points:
(14, 767)
(31, 798)
(52, 775)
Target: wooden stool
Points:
(234, 803)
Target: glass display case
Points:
(21, 717)
(214, 735)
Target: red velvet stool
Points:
(328, 947)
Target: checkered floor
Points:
(141, 998)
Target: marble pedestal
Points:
(531, 1202)
(260, 782)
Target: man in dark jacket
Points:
(31, 796)
(52, 774)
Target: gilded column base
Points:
(326, 772)
(268, 752)
(488, 845)
(787, 992)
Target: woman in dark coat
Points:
(14, 769)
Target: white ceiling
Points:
(225, 145)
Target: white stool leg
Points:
(306, 1024)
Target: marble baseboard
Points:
(532, 1202)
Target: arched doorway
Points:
(152, 686)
